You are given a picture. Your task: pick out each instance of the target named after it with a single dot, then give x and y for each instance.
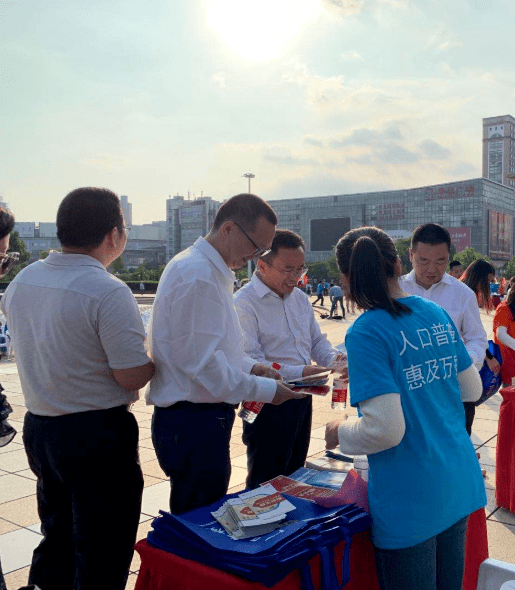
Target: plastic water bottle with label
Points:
(250, 410)
(340, 384)
(361, 466)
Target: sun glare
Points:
(259, 31)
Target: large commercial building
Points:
(187, 220)
(478, 213)
(499, 149)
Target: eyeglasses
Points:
(294, 272)
(7, 261)
(126, 229)
(258, 251)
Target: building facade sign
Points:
(500, 235)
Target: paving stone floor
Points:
(19, 522)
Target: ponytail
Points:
(368, 279)
(367, 257)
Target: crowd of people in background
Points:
(419, 335)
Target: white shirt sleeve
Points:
(470, 384)
(381, 426)
(120, 329)
(505, 338)
(321, 350)
(472, 332)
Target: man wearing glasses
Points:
(197, 347)
(279, 326)
(79, 344)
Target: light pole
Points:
(249, 175)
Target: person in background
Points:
(279, 326)
(429, 255)
(80, 349)
(424, 477)
(504, 335)
(455, 269)
(336, 296)
(478, 276)
(349, 303)
(7, 261)
(511, 282)
(320, 294)
(197, 345)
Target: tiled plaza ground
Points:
(19, 522)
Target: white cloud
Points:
(352, 56)
(219, 79)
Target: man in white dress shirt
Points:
(196, 343)
(429, 255)
(279, 326)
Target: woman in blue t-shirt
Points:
(409, 372)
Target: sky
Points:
(314, 97)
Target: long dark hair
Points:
(511, 300)
(367, 257)
(476, 277)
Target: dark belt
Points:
(185, 404)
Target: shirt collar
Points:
(62, 259)
(262, 290)
(447, 279)
(215, 258)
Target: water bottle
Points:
(339, 399)
(250, 410)
(361, 466)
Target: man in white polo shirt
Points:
(79, 344)
(429, 255)
(196, 344)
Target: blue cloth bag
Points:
(491, 382)
(311, 530)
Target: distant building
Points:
(477, 212)
(138, 252)
(25, 229)
(47, 229)
(499, 149)
(187, 220)
(126, 210)
(149, 231)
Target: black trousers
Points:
(278, 440)
(319, 298)
(89, 497)
(470, 412)
(192, 447)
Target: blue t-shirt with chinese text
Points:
(432, 478)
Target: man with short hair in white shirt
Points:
(196, 344)
(429, 255)
(279, 326)
(79, 342)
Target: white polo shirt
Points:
(460, 302)
(71, 323)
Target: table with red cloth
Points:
(505, 456)
(164, 571)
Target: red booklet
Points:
(292, 487)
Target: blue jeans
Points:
(435, 564)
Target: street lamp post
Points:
(249, 175)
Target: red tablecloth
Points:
(164, 571)
(505, 460)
